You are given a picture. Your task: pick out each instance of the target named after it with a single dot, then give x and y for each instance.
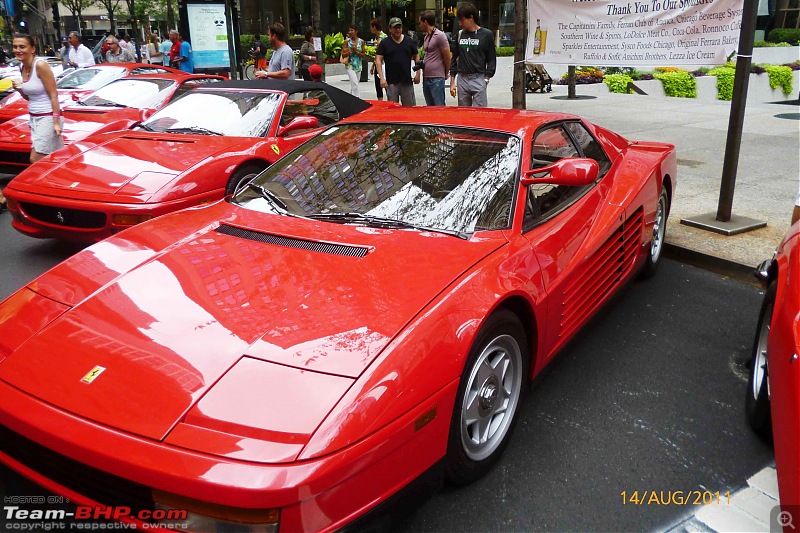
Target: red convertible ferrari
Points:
(115, 106)
(179, 158)
(80, 82)
(773, 391)
(367, 310)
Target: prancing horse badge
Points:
(93, 373)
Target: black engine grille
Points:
(74, 218)
(15, 158)
(100, 486)
(291, 242)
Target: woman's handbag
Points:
(344, 60)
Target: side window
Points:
(545, 200)
(313, 104)
(589, 146)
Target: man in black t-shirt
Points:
(396, 52)
(259, 52)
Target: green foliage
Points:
(780, 76)
(505, 51)
(246, 40)
(617, 83)
(333, 45)
(680, 84)
(421, 52)
(725, 75)
(619, 70)
(767, 44)
(784, 35)
(370, 50)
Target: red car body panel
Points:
(14, 105)
(784, 369)
(79, 122)
(119, 173)
(179, 306)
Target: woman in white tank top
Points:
(39, 89)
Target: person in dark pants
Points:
(378, 36)
(308, 56)
(474, 59)
(396, 52)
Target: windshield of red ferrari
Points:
(128, 92)
(90, 78)
(231, 113)
(441, 178)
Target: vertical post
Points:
(518, 87)
(571, 82)
(736, 121)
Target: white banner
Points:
(652, 33)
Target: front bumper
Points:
(318, 495)
(85, 221)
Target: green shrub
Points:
(767, 44)
(780, 76)
(246, 40)
(333, 45)
(617, 83)
(680, 84)
(784, 35)
(505, 51)
(370, 50)
(725, 75)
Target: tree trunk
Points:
(112, 22)
(518, 88)
(571, 82)
(439, 18)
(315, 17)
(170, 16)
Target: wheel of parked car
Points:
(659, 232)
(757, 403)
(492, 383)
(242, 175)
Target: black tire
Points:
(659, 233)
(496, 374)
(242, 174)
(756, 405)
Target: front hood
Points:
(78, 123)
(129, 164)
(170, 328)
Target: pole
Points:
(736, 121)
(571, 82)
(518, 88)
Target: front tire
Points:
(493, 381)
(757, 406)
(659, 233)
(241, 176)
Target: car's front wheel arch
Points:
(494, 380)
(245, 172)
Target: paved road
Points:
(648, 397)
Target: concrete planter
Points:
(335, 69)
(758, 88)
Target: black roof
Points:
(346, 103)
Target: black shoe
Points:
(3, 207)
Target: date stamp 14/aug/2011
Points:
(675, 497)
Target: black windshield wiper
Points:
(194, 129)
(107, 104)
(269, 195)
(369, 220)
(145, 127)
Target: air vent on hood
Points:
(291, 242)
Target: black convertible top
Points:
(346, 103)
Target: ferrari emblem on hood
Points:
(93, 373)
(276, 149)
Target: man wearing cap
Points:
(63, 53)
(315, 72)
(396, 53)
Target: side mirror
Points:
(299, 123)
(571, 172)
